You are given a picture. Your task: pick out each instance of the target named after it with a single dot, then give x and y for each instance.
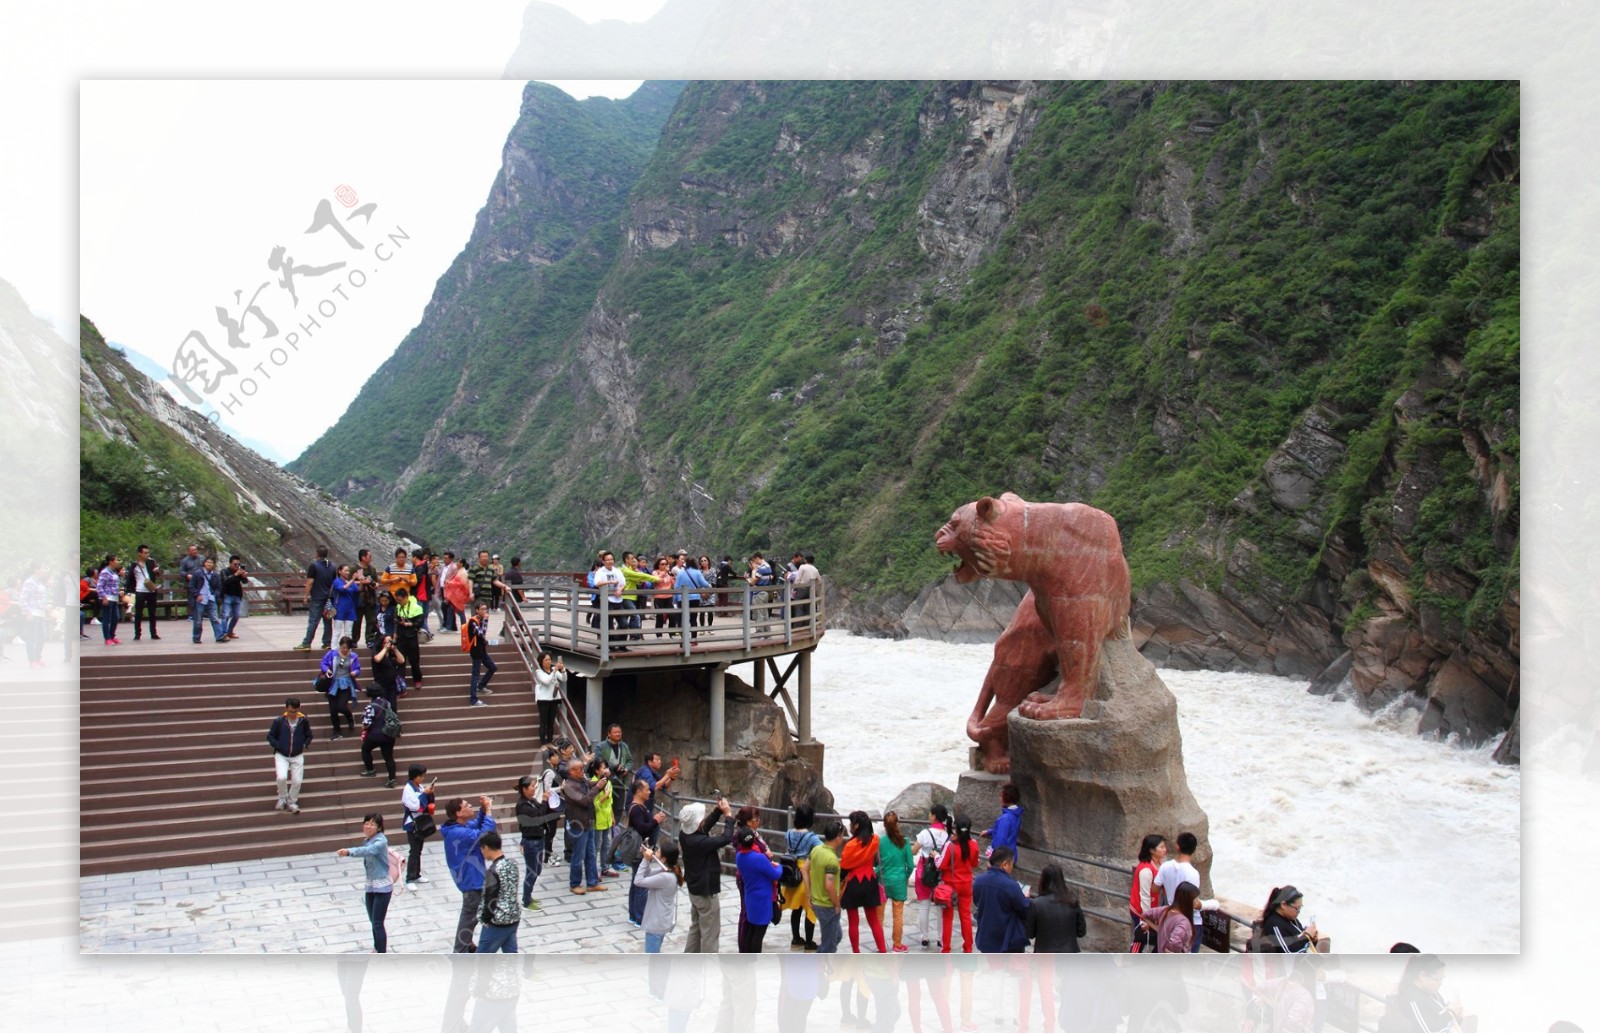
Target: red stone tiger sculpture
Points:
(1078, 596)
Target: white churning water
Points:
(1391, 836)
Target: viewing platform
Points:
(598, 641)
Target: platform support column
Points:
(718, 714)
(805, 696)
(593, 696)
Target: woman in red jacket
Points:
(1144, 894)
(858, 863)
(955, 870)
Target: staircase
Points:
(175, 767)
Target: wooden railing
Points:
(582, 621)
(281, 592)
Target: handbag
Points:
(943, 895)
(323, 684)
(423, 825)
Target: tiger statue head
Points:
(979, 535)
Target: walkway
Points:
(313, 903)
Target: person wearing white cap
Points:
(703, 870)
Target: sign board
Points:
(1216, 931)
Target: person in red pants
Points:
(955, 870)
(859, 862)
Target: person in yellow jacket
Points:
(633, 578)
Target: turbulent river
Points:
(1390, 836)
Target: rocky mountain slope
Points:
(1272, 328)
(156, 472)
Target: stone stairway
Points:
(174, 767)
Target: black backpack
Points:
(791, 876)
(628, 848)
(928, 868)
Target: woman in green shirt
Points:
(894, 872)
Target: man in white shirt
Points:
(802, 577)
(145, 573)
(609, 579)
(1179, 870)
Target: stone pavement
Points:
(313, 903)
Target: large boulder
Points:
(916, 800)
(1093, 786)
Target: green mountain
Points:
(1271, 327)
(155, 472)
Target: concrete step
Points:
(173, 767)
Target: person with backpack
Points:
(643, 823)
(475, 640)
(533, 818)
(930, 845)
(799, 841)
(374, 855)
(380, 727)
(456, 588)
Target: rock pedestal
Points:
(1094, 786)
(669, 712)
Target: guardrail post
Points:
(683, 621)
(717, 718)
(547, 602)
(745, 595)
(605, 626)
(788, 614)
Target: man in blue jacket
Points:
(1001, 906)
(465, 861)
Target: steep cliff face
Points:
(1270, 327)
(157, 472)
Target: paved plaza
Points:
(313, 903)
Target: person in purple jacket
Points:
(759, 875)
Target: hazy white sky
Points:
(187, 184)
(188, 188)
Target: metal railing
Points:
(580, 620)
(568, 722)
(1118, 896)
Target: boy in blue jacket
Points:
(1004, 831)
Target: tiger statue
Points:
(1070, 556)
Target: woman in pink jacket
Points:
(1174, 924)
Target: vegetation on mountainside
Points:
(1099, 352)
(494, 327)
(151, 487)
